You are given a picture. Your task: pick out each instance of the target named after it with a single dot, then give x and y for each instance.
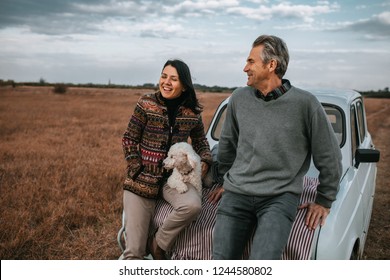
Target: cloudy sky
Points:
(343, 43)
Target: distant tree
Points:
(42, 81)
(7, 83)
(60, 88)
(148, 85)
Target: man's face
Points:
(258, 72)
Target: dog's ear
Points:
(193, 159)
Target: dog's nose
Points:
(164, 162)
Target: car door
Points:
(366, 172)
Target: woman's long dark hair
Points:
(190, 99)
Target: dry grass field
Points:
(62, 168)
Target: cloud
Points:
(47, 16)
(200, 7)
(375, 28)
(305, 13)
(54, 17)
(87, 17)
(161, 30)
(82, 16)
(118, 8)
(342, 68)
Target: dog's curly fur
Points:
(186, 167)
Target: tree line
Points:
(62, 87)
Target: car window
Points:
(354, 132)
(217, 128)
(334, 114)
(336, 119)
(361, 120)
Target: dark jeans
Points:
(238, 215)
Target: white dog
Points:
(185, 163)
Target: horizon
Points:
(197, 86)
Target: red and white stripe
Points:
(195, 242)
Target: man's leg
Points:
(275, 219)
(233, 226)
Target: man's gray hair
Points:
(274, 48)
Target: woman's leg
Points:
(138, 213)
(186, 207)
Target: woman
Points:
(161, 119)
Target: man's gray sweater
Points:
(266, 147)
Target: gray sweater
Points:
(265, 147)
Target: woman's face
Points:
(170, 85)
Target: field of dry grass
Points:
(378, 121)
(62, 168)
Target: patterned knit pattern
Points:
(148, 138)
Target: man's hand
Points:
(316, 214)
(216, 195)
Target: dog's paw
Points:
(182, 189)
(199, 190)
(186, 179)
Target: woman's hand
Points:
(205, 168)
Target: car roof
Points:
(335, 95)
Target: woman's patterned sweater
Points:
(148, 138)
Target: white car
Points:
(345, 231)
(344, 234)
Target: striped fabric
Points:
(195, 242)
(300, 241)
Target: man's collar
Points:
(277, 92)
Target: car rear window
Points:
(335, 117)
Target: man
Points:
(271, 131)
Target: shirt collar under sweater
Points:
(276, 93)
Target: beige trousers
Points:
(186, 207)
(139, 212)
